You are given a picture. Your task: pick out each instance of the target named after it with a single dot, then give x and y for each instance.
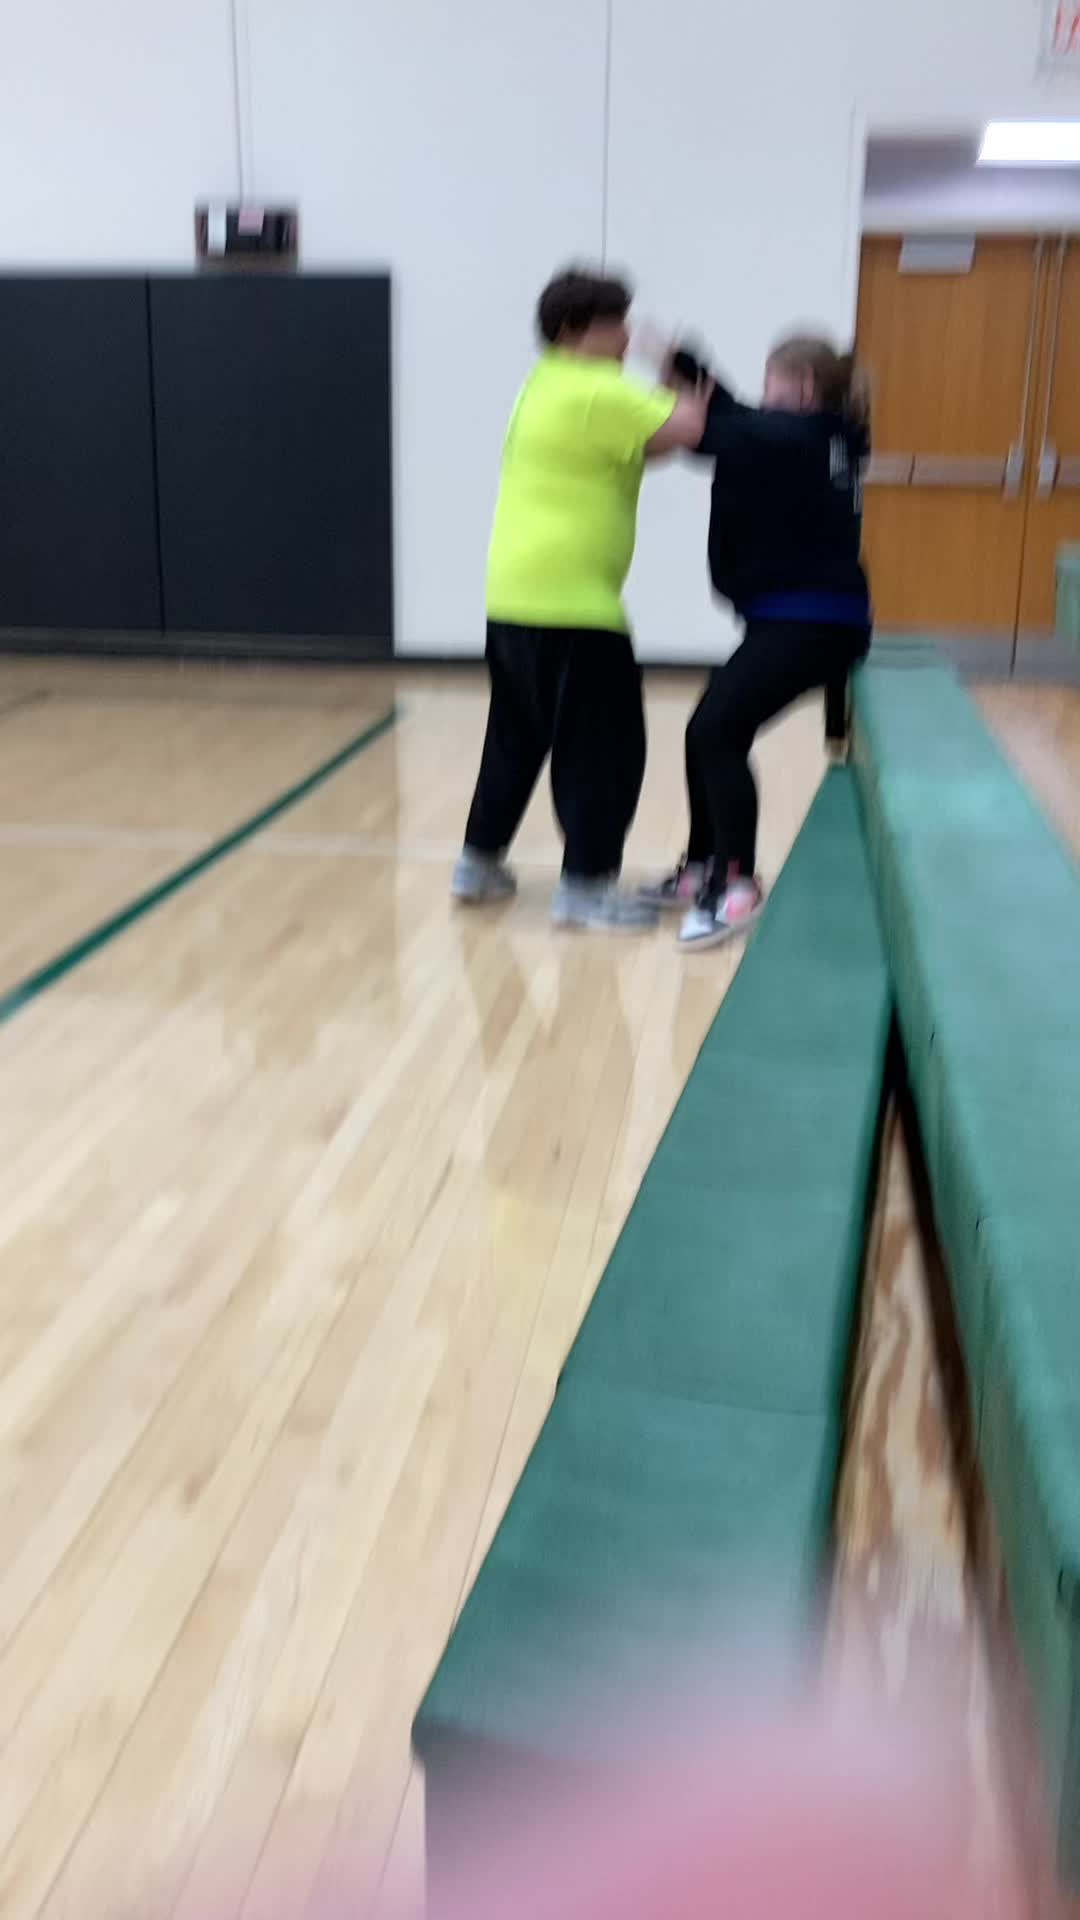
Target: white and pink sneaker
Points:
(722, 915)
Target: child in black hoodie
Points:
(785, 549)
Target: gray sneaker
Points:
(480, 879)
(600, 906)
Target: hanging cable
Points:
(238, 115)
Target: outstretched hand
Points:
(696, 394)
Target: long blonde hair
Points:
(840, 384)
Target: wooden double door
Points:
(975, 482)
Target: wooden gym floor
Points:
(305, 1181)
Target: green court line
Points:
(37, 983)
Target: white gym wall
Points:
(465, 145)
(115, 118)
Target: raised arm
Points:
(685, 426)
(688, 375)
(725, 421)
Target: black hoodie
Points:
(785, 535)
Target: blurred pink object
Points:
(783, 1818)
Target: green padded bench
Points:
(980, 903)
(685, 1476)
(735, 1276)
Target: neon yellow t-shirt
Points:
(566, 519)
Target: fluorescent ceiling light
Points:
(1031, 143)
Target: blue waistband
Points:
(825, 609)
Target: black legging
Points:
(777, 662)
(575, 694)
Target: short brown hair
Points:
(575, 299)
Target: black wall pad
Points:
(78, 524)
(272, 396)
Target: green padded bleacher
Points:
(766, 1160)
(634, 1512)
(980, 903)
(683, 1482)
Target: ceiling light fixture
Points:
(1031, 143)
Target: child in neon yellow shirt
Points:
(564, 680)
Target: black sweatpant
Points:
(777, 662)
(576, 695)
